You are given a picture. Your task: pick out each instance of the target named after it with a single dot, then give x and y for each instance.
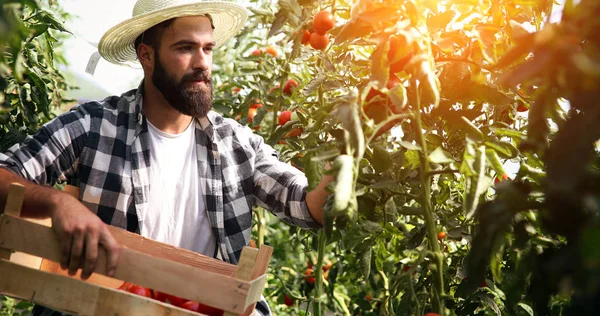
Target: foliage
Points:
(32, 86)
(436, 101)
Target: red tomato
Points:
(140, 290)
(289, 86)
(190, 305)
(500, 179)
(306, 37)
(168, 298)
(328, 264)
(309, 276)
(257, 52)
(295, 132)
(432, 314)
(441, 236)
(323, 22)
(210, 311)
(318, 41)
(284, 117)
(521, 107)
(125, 286)
(271, 51)
(251, 114)
(287, 300)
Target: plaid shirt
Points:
(103, 149)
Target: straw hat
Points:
(117, 44)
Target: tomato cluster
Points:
(171, 299)
(323, 22)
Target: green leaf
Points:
(504, 149)
(365, 261)
(379, 15)
(516, 53)
(440, 21)
(476, 184)
(352, 30)
(313, 169)
(53, 20)
(398, 97)
(416, 237)
(434, 139)
(379, 66)
(382, 160)
(472, 131)
(526, 308)
(507, 132)
(439, 156)
(410, 145)
(494, 160)
(280, 19)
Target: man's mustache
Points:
(198, 76)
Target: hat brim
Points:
(117, 44)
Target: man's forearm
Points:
(38, 200)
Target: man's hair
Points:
(153, 35)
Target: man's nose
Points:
(201, 60)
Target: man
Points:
(157, 160)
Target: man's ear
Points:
(146, 56)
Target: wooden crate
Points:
(179, 272)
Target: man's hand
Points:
(81, 233)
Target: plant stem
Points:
(318, 274)
(426, 204)
(261, 226)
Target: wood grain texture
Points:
(14, 200)
(77, 297)
(221, 291)
(261, 266)
(165, 251)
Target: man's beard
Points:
(194, 101)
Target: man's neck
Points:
(161, 114)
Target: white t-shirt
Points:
(176, 212)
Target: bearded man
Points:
(157, 160)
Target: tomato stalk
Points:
(261, 226)
(425, 176)
(319, 273)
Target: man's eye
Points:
(208, 49)
(185, 48)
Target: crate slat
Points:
(75, 296)
(168, 276)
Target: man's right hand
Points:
(81, 233)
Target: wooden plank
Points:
(95, 278)
(261, 266)
(14, 200)
(161, 250)
(245, 268)
(223, 292)
(77, 297)
(165, 251)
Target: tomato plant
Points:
(417, 98)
